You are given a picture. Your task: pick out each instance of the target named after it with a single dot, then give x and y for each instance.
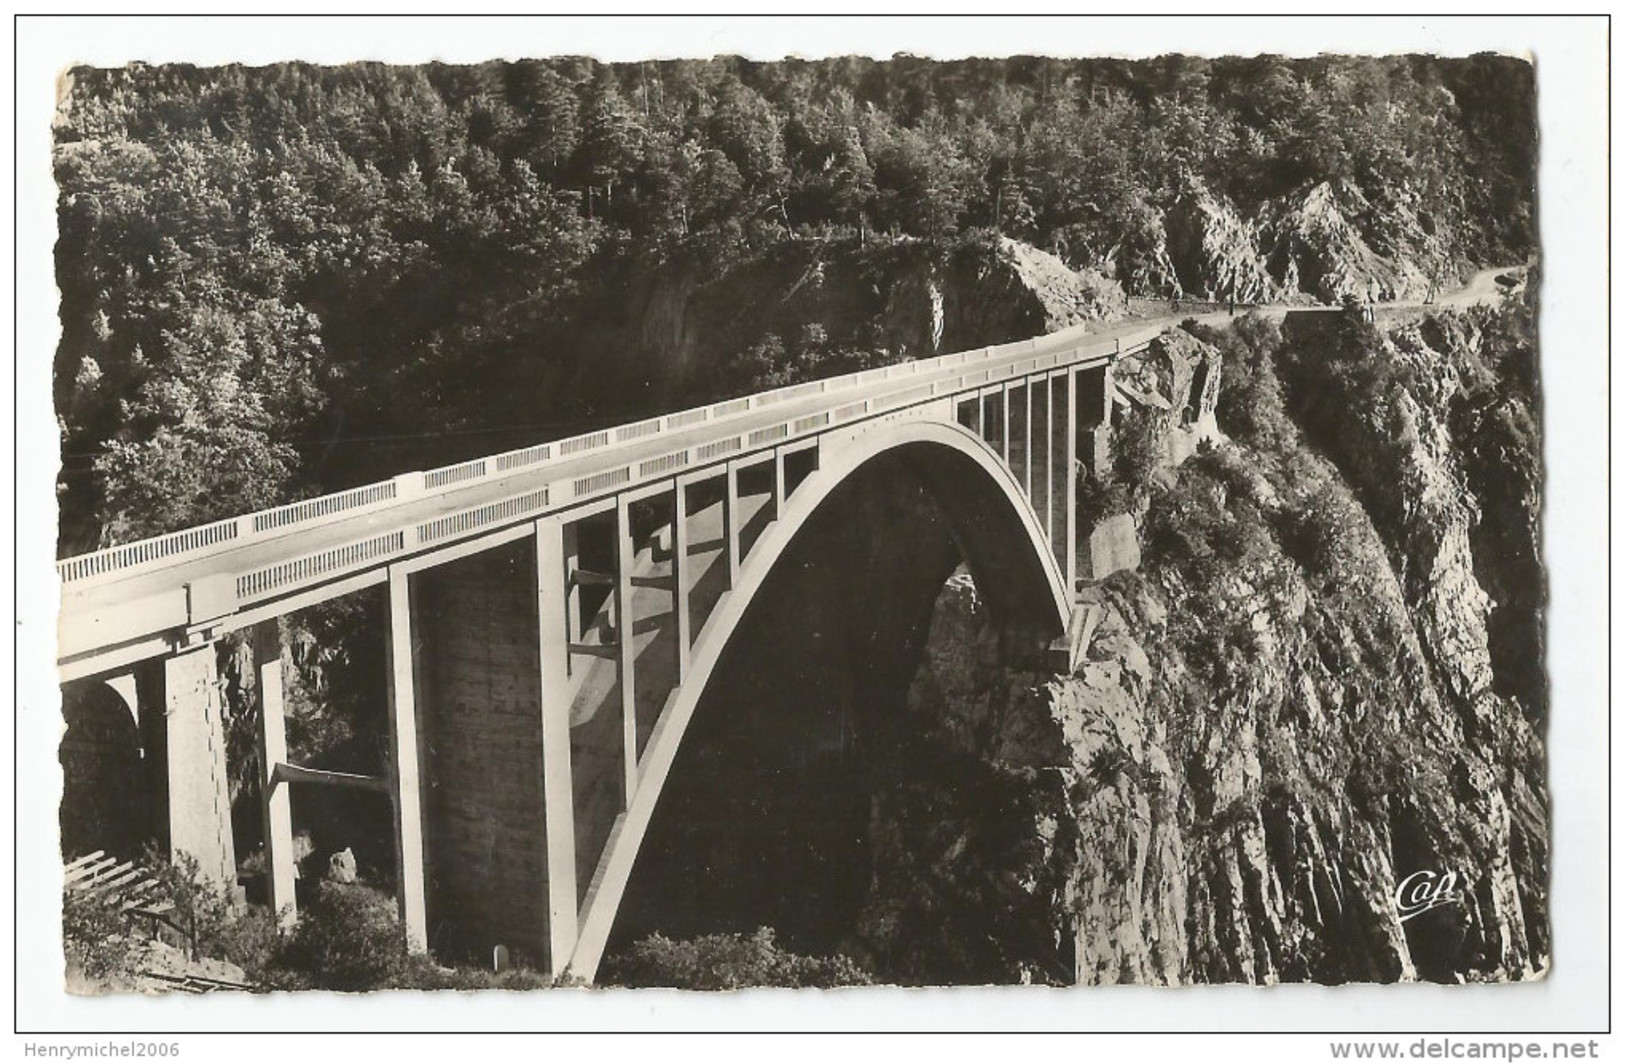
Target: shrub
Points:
(97, 940)
(1140, 450)
(105, 944)
(204, 910)
(347, 939)
(421, 973)
(727, 962)
(1251, 408)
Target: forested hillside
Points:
(282, 280)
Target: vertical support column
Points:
(573, 623)
(199, 798)
(977, 422)
(276, 811)
(1049, 460)
(1004, 422)
(1027, 440)
(625, 664)
(1069, 496)
(679, 575)
(730, 521)
(406, 786)
(779, 487)
(553, 605)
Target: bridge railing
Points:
(305, 514)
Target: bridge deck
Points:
(157, 591)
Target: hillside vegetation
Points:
(284, 280)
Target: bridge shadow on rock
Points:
(766, 817)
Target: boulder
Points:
(341, 867)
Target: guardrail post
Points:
(554, 611)
(405, 785)
(409, 485)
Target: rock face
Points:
(1445, 457)
(1216, 251)
(1299, 704)
(1319, 243)
(1068, 297)
(1319, 246)
(1174, 384)
(806, 308)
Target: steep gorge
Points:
(1320, 683)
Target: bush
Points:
(347, 939)
(1141, 449)
(105, 944)
(97, 940)
(421, 973)
(204, 910)
(727, 962)
(1251, 408)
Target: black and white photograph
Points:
(564, 523)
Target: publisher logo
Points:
(1424, 890)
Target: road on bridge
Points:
(104, 596)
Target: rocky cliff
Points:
(1332, 242)
(1323, 683)
(1316, 244)
(679, 332)
(1216, 251)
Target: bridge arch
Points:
(994, 528)
(106, 781)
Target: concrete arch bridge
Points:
(557, 613)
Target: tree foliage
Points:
(727, 962)
(260, 267)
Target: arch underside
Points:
(818, 640)
(109, 787)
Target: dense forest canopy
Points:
(263, 267)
